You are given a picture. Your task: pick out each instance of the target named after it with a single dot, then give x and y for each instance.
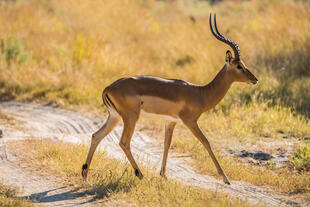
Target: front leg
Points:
(168, 137)
(193, 126)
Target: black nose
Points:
(254, 81)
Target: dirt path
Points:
(55, 123)
(47, 190)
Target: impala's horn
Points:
(220, 37)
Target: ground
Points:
(26, 121)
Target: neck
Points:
(215, 91)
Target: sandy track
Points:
(45, 190)
(49, 122)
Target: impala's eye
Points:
(239, 67)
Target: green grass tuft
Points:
(301, 159)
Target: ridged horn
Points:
(220, 37)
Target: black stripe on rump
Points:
(105, 101)
(110, 102)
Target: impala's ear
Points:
(229, 57)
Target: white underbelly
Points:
(158, 116)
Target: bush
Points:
(301, 159)
(12, 51)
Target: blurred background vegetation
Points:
(66, 52)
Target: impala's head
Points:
(235, 66)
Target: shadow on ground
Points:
(80, 196)
(50, 196)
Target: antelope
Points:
(172, 99)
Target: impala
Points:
(174, 100)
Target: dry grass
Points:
(280, 179)
(243, 127)
(66, 52)
(65, 49)
(256, 120)
(8, 198)
(236, 130)
(112, 179)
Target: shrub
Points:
(301, 159)
(12, 51)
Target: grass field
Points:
(8, 198)
(112, 179)
(66, 52)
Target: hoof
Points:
(226, 181)
(138, 174)
(84, 171)
(163, 175)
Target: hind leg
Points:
(129, 126)
(109, 125)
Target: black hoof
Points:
(137, 172)
(84, 171)
(84, 167)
